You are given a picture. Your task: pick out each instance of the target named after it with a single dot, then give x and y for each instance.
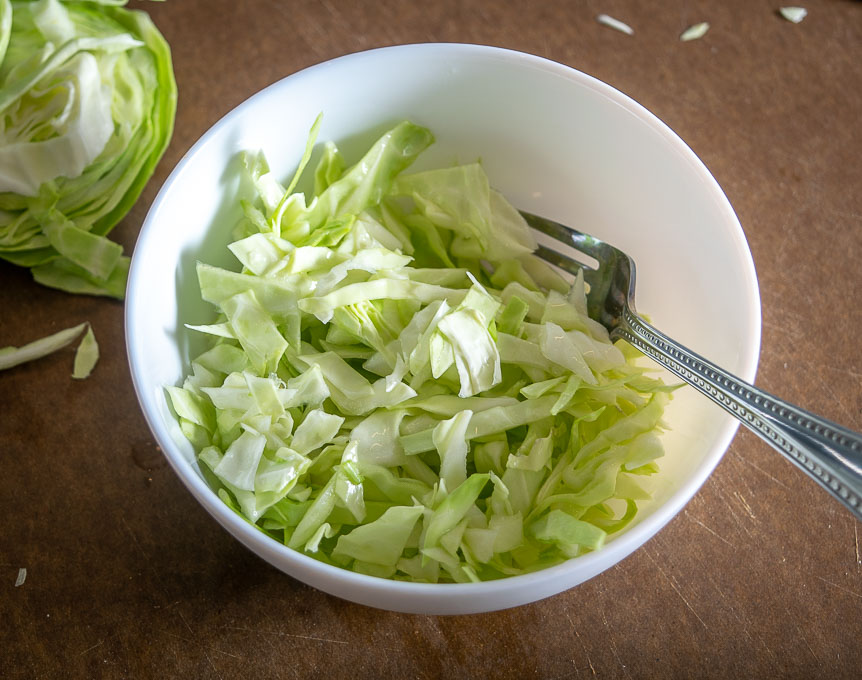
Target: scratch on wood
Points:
(743, 622)
(271, 641)
(183, 618)
(234, 656)
(720, 591)
(763, 472)
(835, 585)
(676, 589)
(576, 673)
(740, 617)
(733, 514)
(589, 660)
(316, 639)
(613, 645)
(744, 504)
(744, 480)
(802, 635)
(856, 535)
(291, 635)
(132, 534)
(577, 635)
(769, 651)
(212, 665)
(90, 649)
(714, 533)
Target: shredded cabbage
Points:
(397, 386)
(86, 355)
(87, 103)
(615, 24)
(694, 32)
(793, 14)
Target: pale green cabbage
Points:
(86, 355)
(399, 387)
(87, 104)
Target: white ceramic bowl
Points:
(556, 142)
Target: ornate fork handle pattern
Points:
(829, 453)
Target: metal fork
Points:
(829, 453)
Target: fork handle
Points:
(829, 453)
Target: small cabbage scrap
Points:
(694, 32)
(86, 355)
(793, 14)
(616, 24)
(398, 386)
(87, 103)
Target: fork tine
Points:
(589, 245)
(564, 262)
(610, 282)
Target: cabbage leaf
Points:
(87, 105)
(86, 355)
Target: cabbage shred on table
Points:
(399, 387)
(87, 104)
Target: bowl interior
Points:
(557, 143)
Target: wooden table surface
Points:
(759, 576)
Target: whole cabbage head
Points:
(87, 106)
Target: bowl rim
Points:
(361, 587)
